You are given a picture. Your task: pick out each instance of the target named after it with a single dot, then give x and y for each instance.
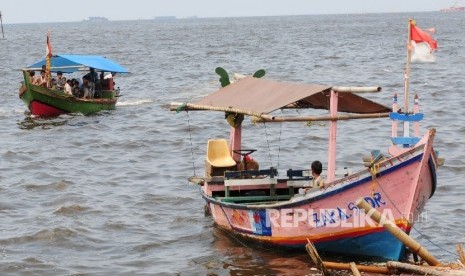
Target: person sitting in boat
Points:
(248, 164)
(318, 181)
(94, 81)
(32, 77)
(42, 79)
(85, 88)
(60, 81)
(76, 88)
(68, 88)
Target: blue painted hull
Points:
(379, 245)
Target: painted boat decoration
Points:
(48, 101)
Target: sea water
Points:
(108, 194)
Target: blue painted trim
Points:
(405, 140)
(406, 117)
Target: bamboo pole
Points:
(354, 269)
(273, 119)
(410, 243)
(175, 106)
(407, 77)
(362, 268)
(461, 254)
(424, 270)
(407, 66)
(316, 258)
(356, 89)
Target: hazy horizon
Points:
(15, 12)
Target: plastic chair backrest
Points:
(218, 154)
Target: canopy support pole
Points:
(332, 136)
(235, 141)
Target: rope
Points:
(423, 236)
(268, 144)
(190, 140)
(279, 142)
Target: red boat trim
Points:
(41, 109)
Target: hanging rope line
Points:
(279, 142)
(190, 140)
(268, 144)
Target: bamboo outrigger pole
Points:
(412, 245)
(1, 23)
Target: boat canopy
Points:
(73, 63)
(262, 96)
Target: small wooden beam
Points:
(354, 269)
(422, 270)
(362, 268)
(316, 258)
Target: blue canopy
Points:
(73, 63)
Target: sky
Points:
(33, 11)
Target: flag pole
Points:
(1, 23)
(407, 75)
(48, 55)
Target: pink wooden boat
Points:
(286, 210)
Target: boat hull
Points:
(46, 102)
(398, 187)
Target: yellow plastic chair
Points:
(218, 154)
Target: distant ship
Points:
(165, 18)
(96, 18)
(454, 8)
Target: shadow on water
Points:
(31, 122)
(241, 256)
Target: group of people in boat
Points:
(91, 86)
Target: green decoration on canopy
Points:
(224, 77)
(259, 73)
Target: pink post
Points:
(332, 137)
(235, 142)
(416, 109)
(394, 109)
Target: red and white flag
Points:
(423, 44)
(48, 50)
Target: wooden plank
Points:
(250, 182)
(254, 198)
(316, 258)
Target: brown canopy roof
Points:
(264, 96)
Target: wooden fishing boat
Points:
(45, 101)
(285, 209)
